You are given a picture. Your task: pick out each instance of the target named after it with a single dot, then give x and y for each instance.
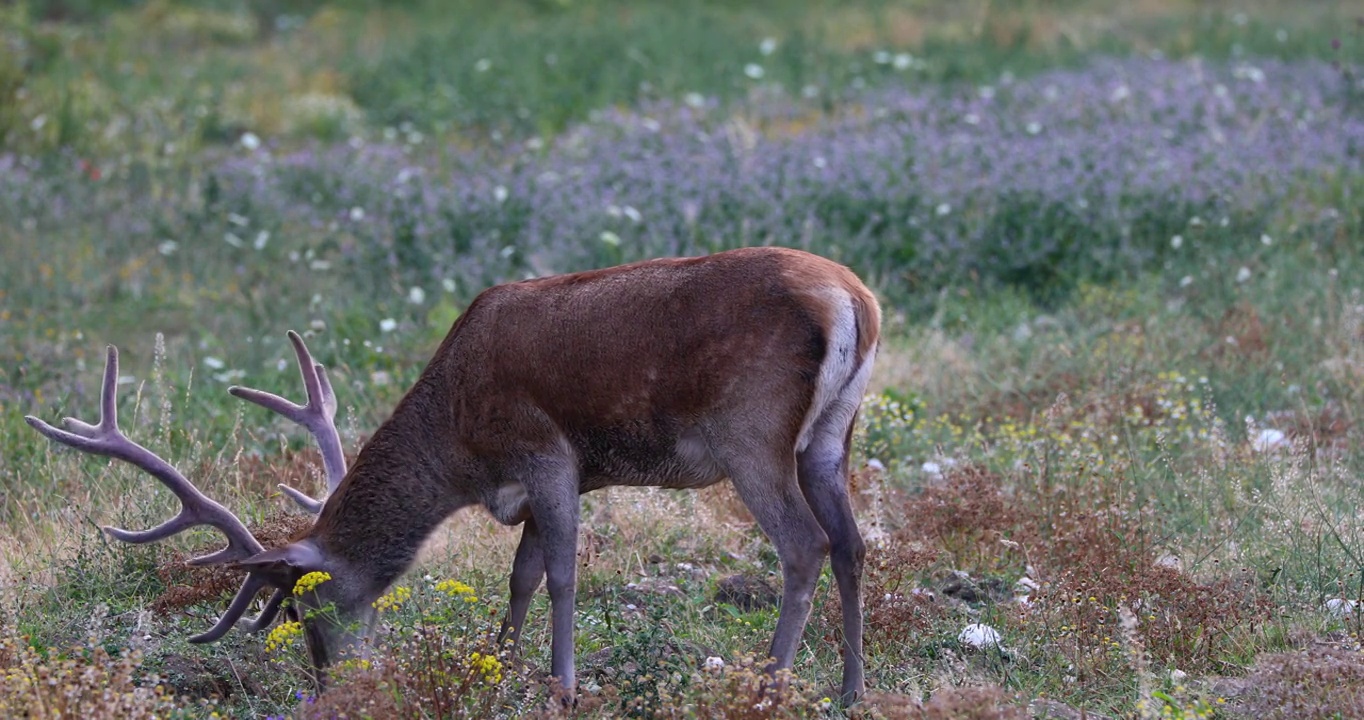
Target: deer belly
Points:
(673, 460)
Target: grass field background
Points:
(1115, 417)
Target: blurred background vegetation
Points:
(171, 77)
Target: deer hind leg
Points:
(823, 472)
(528, 569)
(766, 481)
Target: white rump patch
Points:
(839, 377)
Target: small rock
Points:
(1269, 440)
(979, 636)
(1341, 607)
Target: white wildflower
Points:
(767, 46)
(213, 363)
(388, 325)
(754, 71)
(250, 141)
(1243, 274)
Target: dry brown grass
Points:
(956, 703)
(1317, 684)
(187, 585)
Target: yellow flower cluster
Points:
(283, 636)
(393, 600)
(457, 589)
(309, 582)
(488, 666)
(354, 664)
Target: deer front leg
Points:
(553, 495)
(528, 569)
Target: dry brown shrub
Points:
(967, 516)
(741, 690)
(892, 606)
(957, 703)
(85, 683)
(362, 695)
(1100, 554)
(187, 585)
(1321, 683)
(1239, 333)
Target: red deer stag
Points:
(677, 373)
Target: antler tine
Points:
(318, 415)
(267, 613)
(107, 440)
(240, 602)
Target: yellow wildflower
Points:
(455, 588)
(393, 600)
(487, 666)
(309, 582)
(283, 636)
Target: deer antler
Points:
(318, 415)
(107, 440)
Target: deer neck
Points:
(397, 493)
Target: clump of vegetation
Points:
(84, 682)
(952, 703)
(1315, 684)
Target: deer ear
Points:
(283, 566)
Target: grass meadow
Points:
(1109, 466)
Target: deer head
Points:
(331, 610)
(747, 365)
